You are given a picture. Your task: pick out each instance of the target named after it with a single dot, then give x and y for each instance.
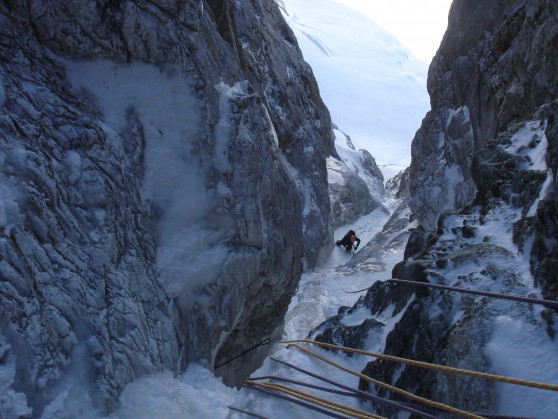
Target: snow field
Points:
(374, 88)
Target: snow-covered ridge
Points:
(374, 88)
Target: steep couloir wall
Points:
(163, 182)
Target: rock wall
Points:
(273, 64)
(113, 265)
(483, 167)
(493, 71)
(355, 182)
(494, 68)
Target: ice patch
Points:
(175, 179)
(73, 164)
(462, 113)
(517, 349)
(357, 317)
(194, 394)
(334, 168)
(547, 187)
(453, 177)
(170, 117)
(189, 260)
(530, 141)
(223, 128)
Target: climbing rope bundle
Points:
(333, 409)
(426, 408)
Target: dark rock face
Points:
(350, 199)
(398, 186)
(495, 62)
(348, 336)
(79, 289)
(353, 191)
(274, 66)
(545, 226)
(476, 157)
(87, 289)
(494, 68)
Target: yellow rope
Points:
(443, 368)
(316, 400)
(391, 388)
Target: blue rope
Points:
(547, 303)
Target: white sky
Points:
(418, 24)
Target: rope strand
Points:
(391, 388)
(298, 402)
(442, 368)
(316, 400)
(546, 303)
(362, 394)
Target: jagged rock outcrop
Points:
(157, 157)
(439, 327)
(355, 182)
(398, 186)
(494, 68)
(492, 75)
(350, 197)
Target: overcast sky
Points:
(418, 24)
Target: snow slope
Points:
(374, 88)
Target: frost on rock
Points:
(79, 291)
(152, 177)
(441, 173)
(355, 182)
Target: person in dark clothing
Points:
(348, 241)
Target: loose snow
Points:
(194, 394)
(517, 351)
(530, 141)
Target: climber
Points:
(349, 241)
